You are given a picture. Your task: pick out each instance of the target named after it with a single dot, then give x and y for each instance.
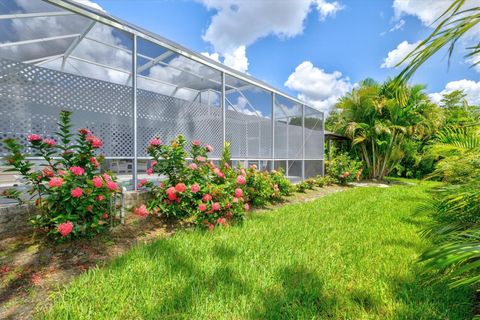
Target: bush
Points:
(212, 195)
(73, 198)
(344, 169)
(301, 187)
(324, 181)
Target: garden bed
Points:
(31, 267)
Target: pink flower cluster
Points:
(155, 142)
(78, 171)
(141, 211)
(77, 192)
(55, 182)
(94, 141)
(65, 228)
(50, 142)
(34, 137)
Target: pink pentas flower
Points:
(200, 159)
(85, 131)
(100, 197)
(211, 226)
(94, 141)
(65, 228)
(238, 193)
(97, 182)
(220, 174)
(142, 182)
(155, 142)
(196, 142)
(62, 172)
(241, 180)
(105, 216)
(202, 207)
(193, 166)
(141, 211)
(171, 194)
(111, 185)
(154, 163)
(215, 206)
(78, 171)
(94, 161)
(48, 172)
(209, 148)
(246, 206)
(194, 188)
(50, 142)
(180, 187)
(55, 182)
(106, 177)
(222, 221)
(235, 200)
(149, 171)
(207, 197)
(34, 137)
(77, 192)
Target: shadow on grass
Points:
(420, 298)
(299, 294)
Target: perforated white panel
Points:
(31, 98)
(166, 117)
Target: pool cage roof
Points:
(56, 33)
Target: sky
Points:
(316, 50)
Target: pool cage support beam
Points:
(273, 131)
(303, 142)
(134, 89)
(224, 112)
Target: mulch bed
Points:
(31, 267)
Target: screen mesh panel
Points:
(314, 134)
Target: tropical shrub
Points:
(302, 186)
(199, 189)
(456, 233)
(282, 183)
(378, 118)
(213, 195)
(324, 181)
(344, 169)
(73, 198)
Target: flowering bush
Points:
(200, 189)
(214, 195)
(345, 169)
(73, 197)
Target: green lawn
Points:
(350, 255)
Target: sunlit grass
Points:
(350, 255)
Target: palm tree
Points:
(453, 24)
(378, 122)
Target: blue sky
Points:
(313, 49)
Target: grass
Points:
(350, 255)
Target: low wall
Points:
(14, 218)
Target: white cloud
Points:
(90, 4)
(326, 9)
(469, 87)
(237, 59)
(316, 87)
(427, 11)
(239, 23)
(398, 26)
(214, 56)
(398, 54)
